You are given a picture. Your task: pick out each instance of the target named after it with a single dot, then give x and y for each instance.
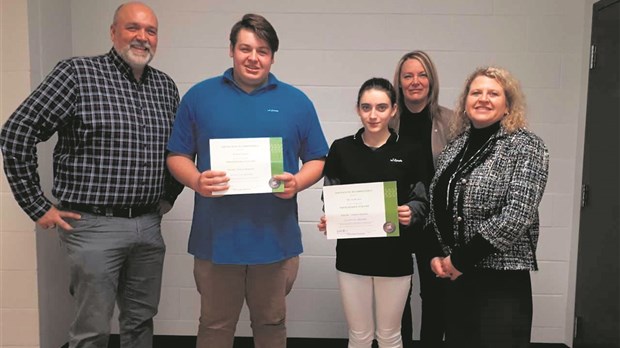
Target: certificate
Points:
(250, 163)
(361, 210)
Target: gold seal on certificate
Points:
(361, 210)
(249, 163)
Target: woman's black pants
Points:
(489, 309)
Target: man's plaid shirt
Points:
(112, 136)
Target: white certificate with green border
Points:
(250, 163)
(361, 210)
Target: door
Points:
(597, 302)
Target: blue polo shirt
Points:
(256, 228)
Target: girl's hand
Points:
(322, 225)
(404, 215)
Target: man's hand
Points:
(164, 207)
(211, 181)
(290, 185)
(309, 173)
(55, 217)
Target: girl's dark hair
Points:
(259, 26)
(378, 83)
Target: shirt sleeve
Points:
(314, 145)
(330, 171)
(172, 188)
(466, 257)
(418, 203)
(182, 140)
(50, 106)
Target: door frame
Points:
(590, 7)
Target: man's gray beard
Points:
(135, 62)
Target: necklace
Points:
(462, 165)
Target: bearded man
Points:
(113, 114)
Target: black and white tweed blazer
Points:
(497, 196)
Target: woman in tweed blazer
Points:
(484, 212)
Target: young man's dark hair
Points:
(259, 26)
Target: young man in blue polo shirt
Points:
(246, 247)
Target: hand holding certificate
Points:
(250, 163)
(361, 210)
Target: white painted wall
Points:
(35, 305)
(50, 41)
(328, 48)
(19, 312)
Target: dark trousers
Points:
(489, 309)
(432, 294)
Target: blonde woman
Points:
(484, 211)
(427, 124)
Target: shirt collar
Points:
(271, 82)
(392, 139)
(124, 68)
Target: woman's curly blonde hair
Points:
(515, 101)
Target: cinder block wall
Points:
(19, 312)
(328, 48)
